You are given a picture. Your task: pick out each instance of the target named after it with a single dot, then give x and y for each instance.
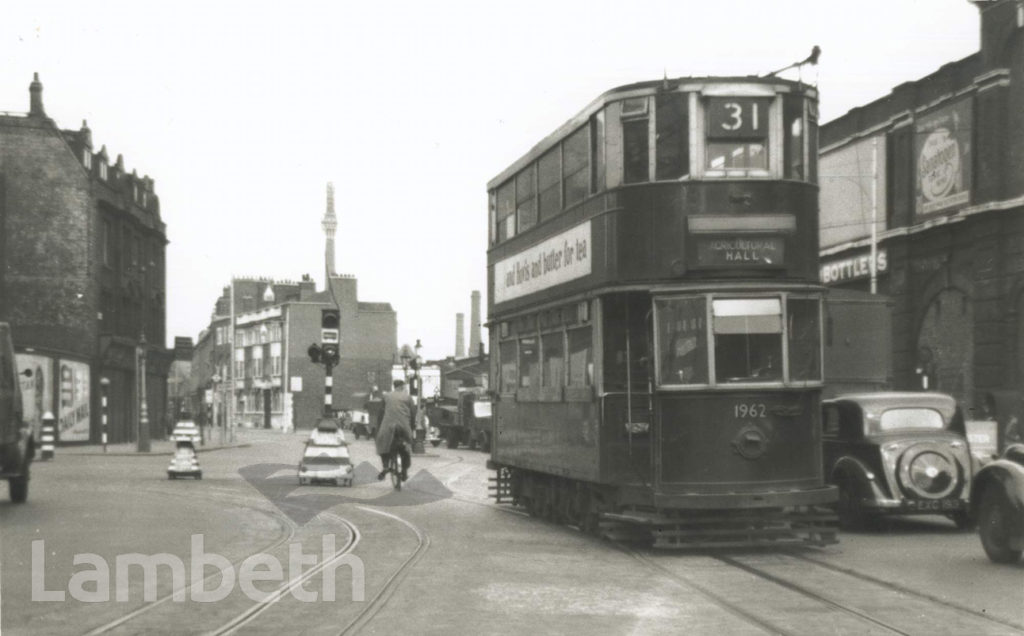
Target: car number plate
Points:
(938, 505)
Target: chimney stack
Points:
(460, 338)
(474, 323)
(35, 102)
(330, 225)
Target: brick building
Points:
(944, 157)
(81, 275)
(253, 356)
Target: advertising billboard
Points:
(942, 150)
(36, 390)
(74, 401)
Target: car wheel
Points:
(19, 488)
(851, 517)
(993, 526)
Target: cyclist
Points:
(394, 428)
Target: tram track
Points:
(846, 601)
(897, 588)
(288, 526)
(382, 598)
(285, 588)
(941, 611)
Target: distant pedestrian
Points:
(394, 428)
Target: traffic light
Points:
(314, 353)
(330, 354)
(330, 322)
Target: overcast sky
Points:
(242, 112)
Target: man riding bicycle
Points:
(394, 428)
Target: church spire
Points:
(330, 224)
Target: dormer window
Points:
(87, 159)
(103, 170)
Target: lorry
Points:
(17, 444)
(467, 421)
(858, 342)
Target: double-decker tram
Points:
(655, 317)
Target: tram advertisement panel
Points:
(943, 148)
(74, 401)
(37, 389)
(559, 259)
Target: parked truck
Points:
(858, 342)
(17, 445)
(465, 421)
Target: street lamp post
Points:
(420, 435)
(215, 380)
(143, 443)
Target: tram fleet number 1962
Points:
(744, 410)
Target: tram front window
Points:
(748, 339)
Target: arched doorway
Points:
(945, 345)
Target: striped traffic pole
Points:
(328, 391)
(48, 436)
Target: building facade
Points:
(82, 277)
(928, 183)
(252, 367)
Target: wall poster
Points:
(37, 390)
(942, 144)
(74, 401)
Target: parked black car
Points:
(997, 502)
(892, 453)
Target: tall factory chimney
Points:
(474, 325)
(330, 224)
(460, 338)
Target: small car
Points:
(894, 453)
(326, 464)
(326, 433)
(997, 503)
(187, 430)
(184, 462)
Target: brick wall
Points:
(49, 293)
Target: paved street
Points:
(437, 558)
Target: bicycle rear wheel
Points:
(395, 468)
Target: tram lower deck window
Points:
(748, 339)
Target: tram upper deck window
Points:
(737, 136)
(635, 141)
(748, 339)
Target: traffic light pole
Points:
(328, 389)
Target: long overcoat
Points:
(398, 414)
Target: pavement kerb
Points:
(92, 451)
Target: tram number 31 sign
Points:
(737, 116)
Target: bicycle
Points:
(395, 468)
